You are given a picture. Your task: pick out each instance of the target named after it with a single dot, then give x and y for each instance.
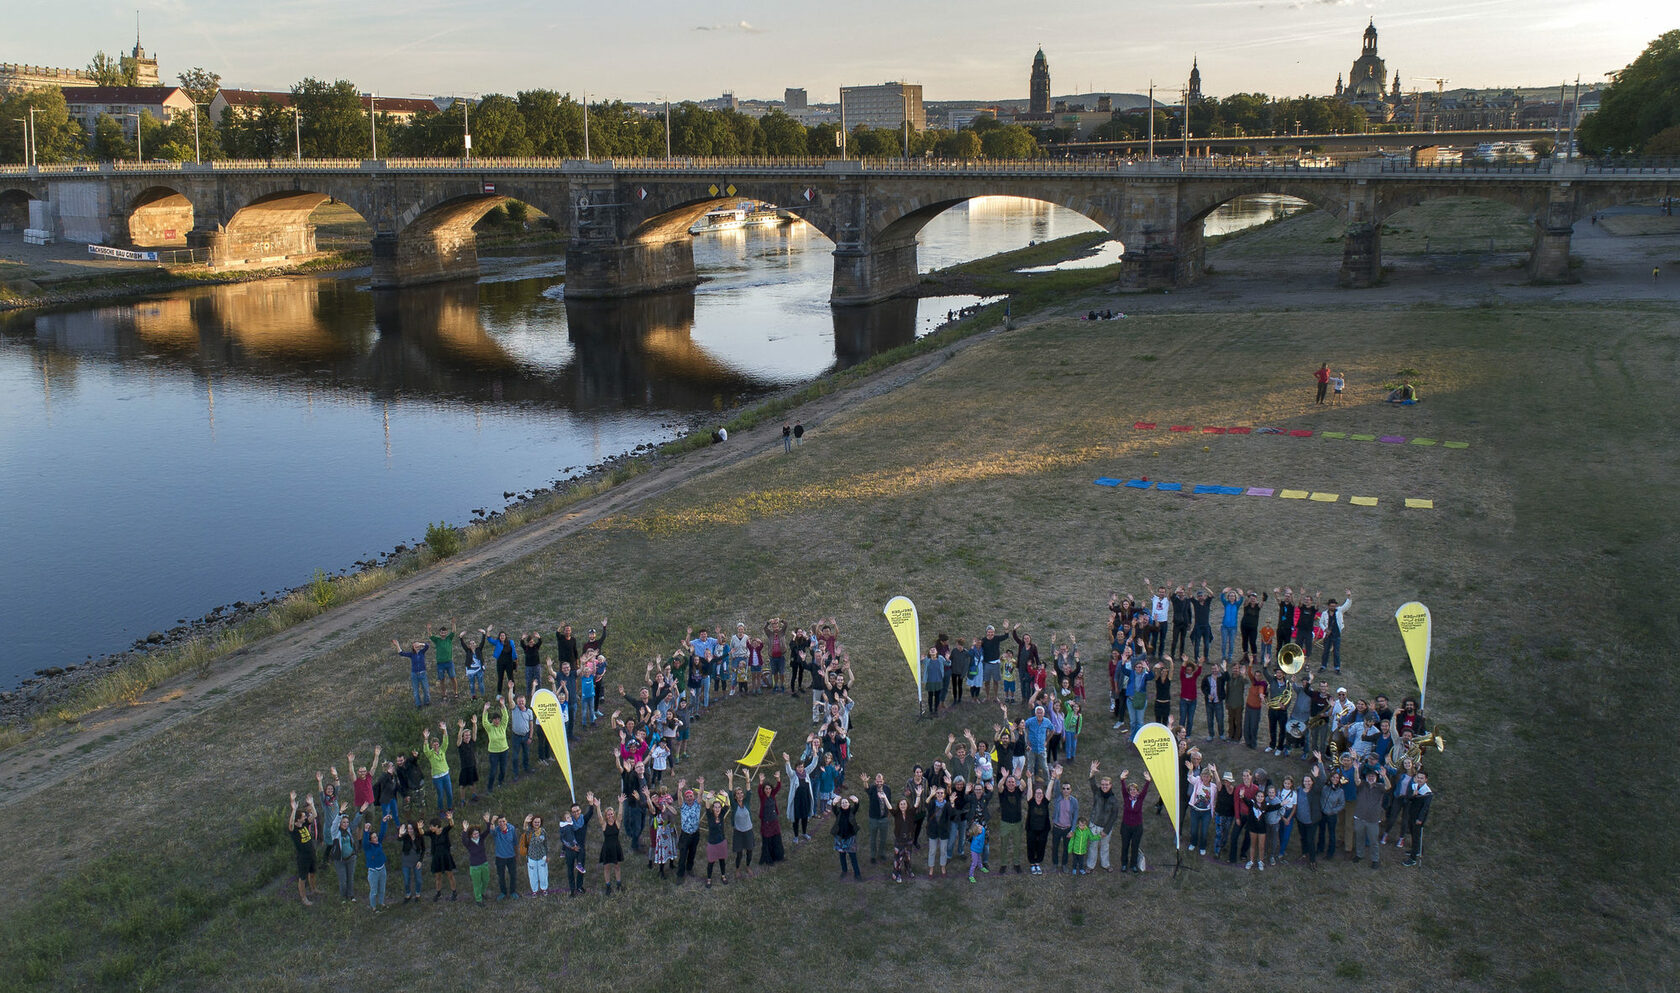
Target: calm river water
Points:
(162, 456)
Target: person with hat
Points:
(1367, 814)
(1335, 620)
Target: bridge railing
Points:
(810, 166)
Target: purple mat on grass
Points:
(1392, 439)
(1259, 491)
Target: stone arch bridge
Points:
(626, 222)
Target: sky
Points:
(643, 50)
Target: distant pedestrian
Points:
(799, 434)
(1322, 377)
(1654, 271)
(787, 437)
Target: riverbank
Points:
(56, 695)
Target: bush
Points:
(322, 592)
(442, 539)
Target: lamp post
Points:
(586, 125)
(197, 156)
(373, 122)
(466, 127)
(34, 159)
(667, 130)
(297, 133)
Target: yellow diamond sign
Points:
(712, 189)
(730, 189)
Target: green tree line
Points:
(1639, 112)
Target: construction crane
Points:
(1440, 84)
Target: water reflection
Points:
(433, 341)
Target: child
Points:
(1336, 384)
(976, 847)
(660, 754)
(1079, 843)
(1010, 672)
(1267, 633)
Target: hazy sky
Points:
(973, 49)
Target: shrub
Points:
(442, 539)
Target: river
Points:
(165, 455)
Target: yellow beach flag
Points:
(1413, 619)
(907, 628)
(1160, 756)
(760, 747)
(547, 706)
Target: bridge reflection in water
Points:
(433, 342)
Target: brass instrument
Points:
(1291, 657)
(1284, 700)
(1419, 744)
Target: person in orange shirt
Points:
(1267, 633)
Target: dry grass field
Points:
(969, 488)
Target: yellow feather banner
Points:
(907, 628)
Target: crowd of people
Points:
(1006, 799)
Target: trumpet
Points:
(1291, 657)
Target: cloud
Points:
(741, 26)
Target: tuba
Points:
(1283, 700)
(1291, 658)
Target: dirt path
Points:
(114, 730)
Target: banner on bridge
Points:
(119, 253)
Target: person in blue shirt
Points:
(1038, 732)
(373, 852)
(417, 671)
(1231, 599)
(705, 650)
(506, 841)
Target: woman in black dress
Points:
(466, 747)
(443, 861)
(769, 822)
(1038, 829)
(845, 834)
(1163, 693)
(717, 845)
(612, 852)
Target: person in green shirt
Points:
(1079, 843)
(443, 645)
(496, 738)
(437, 760)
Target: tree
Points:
(1011, 141)
(57, 137)
(107, 71)
(109, 143)
(960, 145)
(1665, 142)
(553, 124)
(782, 134)
(498, 129)
(201, 84)
(1641, 101)
(1543, 148)
(334, 123)
(263, 133)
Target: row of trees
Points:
(1639, 112)
(1235, 116)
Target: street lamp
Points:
(196, 156)
(373, 119)
(27, 157)
(297, 133)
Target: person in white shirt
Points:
(1335, 619)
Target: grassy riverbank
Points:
(969, 488)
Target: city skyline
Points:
(754, 48)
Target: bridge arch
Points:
(903, 219)
(438, 242)
(160, 217)
(14, 208)
(674, 222)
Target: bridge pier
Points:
(1361, 239)
(865, 273)
(598, 270)
(1160, 250)
(413, 258)
(1549, 261)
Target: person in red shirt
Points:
(1131, 820)
(1189, 677)
(1322, 377)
